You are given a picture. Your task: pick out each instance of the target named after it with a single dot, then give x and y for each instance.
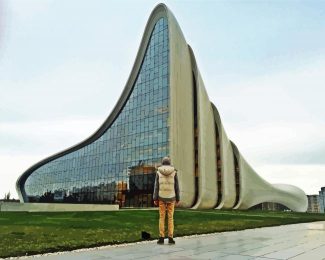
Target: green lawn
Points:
(24, 233)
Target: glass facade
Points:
(119, 167)
(219, 166)
(322, 200)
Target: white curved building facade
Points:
(164, 110)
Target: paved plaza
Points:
(304, 241)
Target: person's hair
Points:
(165, 161)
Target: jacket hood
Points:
(166, 169)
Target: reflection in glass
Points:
(119, 167)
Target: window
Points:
(111, 169)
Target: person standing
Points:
(166, 195)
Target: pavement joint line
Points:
(269, 257)
(265, 257)
(276, 251)
(298, 254)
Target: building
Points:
(322, 200)
(313, 204)
(164, 110)
(141, 185)
(272, 206)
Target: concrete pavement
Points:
(304, 241)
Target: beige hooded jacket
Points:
(166, 184)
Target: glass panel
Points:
(119, 167)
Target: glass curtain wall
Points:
(119, 167)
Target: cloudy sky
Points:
(63, 65)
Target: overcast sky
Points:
(64, 64)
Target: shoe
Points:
(160, 241)
(171, 241)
